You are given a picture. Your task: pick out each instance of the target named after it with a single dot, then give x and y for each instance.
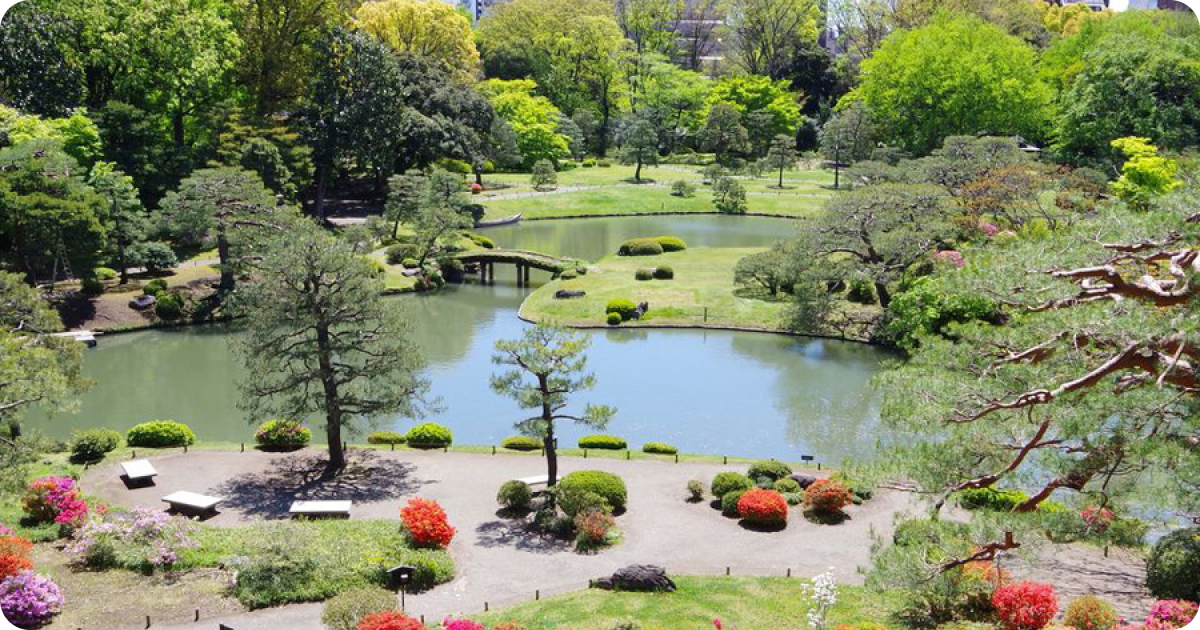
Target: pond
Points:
(714, 392)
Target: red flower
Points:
(765, 507)
(827, 495)
(426, 523)
(1025, 605)
(14, 556)
(389, 621)
(1097, 519)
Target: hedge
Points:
(160, 434)
(770, 469)
(93, 444)
(640, 247)
(386, 437)
(671, 243)
(643, 274)
(621, 306)
(429, 435)
(522, 443)
(607, 485)
(660, 448)
(606, 442)
(664, 273)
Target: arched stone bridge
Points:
(523, 260)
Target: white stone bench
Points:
(537, 483)
(320, 508)
(184, 501)
(139, 470)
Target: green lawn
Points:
(741, 603)
(703, 280)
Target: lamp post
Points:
(400, 577)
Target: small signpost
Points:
(400, 577)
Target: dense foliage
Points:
(607, 485)
(160, 434)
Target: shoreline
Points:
(673, 213)
(770, 331)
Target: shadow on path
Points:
(367, 478)
(520, 535)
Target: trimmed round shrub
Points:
(770, 469)
(14, 555)
(1091, 613)
(729, 502)
(429, 435)
(793, 498)
(605, 442)
(515, 495)
(29, 600)
(395, 254)
(664, 273)
(787, 486)
(168, 305)
(346, 610)
(640, 247)
(282, 434)
(659, 448)
(575, 502)
(1025, 605)
(671, 243)
(155, 256)
(91, 286)
(827, 496)
(621, 306)
(763, 507)
(613, 319)
(154, 287)
(410, 263)
(522, 443)
(1173, 568)
(160, 434)
(607, 485)
(695, 489)
(93, 444)
(105, 274)
(386, 437)
(389, 621)
(727, 482)
(482, 241)
(990, 499)
(643, 274)
(426, 523)
(683, 188)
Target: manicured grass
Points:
(645, 200)
(739, 602)
(703, 280)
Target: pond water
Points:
(713, 392)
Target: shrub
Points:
(729, 502)
(482, 240)
(410, 263)
(594, 528)
(1091, 613)
(861, 290)
(991, 499)
(763, 507)
(683, 188)
(283, 573)
(397, 253)
(862, 490)
(613, 319)
(727, 482)
(160, 434)
(621, 306)
(659, 448)
(671, 243)
(640, 247)
(429, 435)
(104, 274)
(607, 485)
(1025, 605)
(793, 498)
(144, 539)
(643, 274)
(282, 434)
(14, 556)
(426, 523)
(589, 163)
(605, 442)
(155, 256)
(91, 286)
(452, 165)
(543, 175)
(386, 437)
(1173, 568)
(664, 273)
(604, 163)
(515, 495)
(154, 287)
(787, 486)
(1170, 614)
(827, 496)
(574, 502)
(346, 610)
(770, 469)
(695, 489)
(522, 443)
(168, 305)
(460, 624)
(54, 500)
(389, 621)
(1097, 519)
(93, 444)
(29, 600)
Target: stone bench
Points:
(192, 502)
(314, 509)
(138, 471)
(537, 483)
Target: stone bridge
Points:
(487, 259)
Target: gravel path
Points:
(499, 561)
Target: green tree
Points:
(543, 177)
(37, 72)
(672, 99)
(533, 119)
(782, 155)
(132, 141)
(753, 94)
(226, 208)
(263, 158)
(729, 196)
(405, 193)
(649, 24)
(279, 44)
(1145, 174)
(985, 77)
(724, 134)
(435, 30)
(549, 365)
(765, 32)
(768, 270)
(640, 146)
(127, 221)
(440, 220)
(321, 339)
(75, 133)
(847, 137)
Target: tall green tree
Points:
(639, 145)
(724, 134)
(279, 40)
(755, 94)
(848, 136)
(765, 32)
(782, 155)
(434, 30)
(549, 365)
(405, 193)
(37, 72)
(127, 221)
(321, 340)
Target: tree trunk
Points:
(177, 131)
(319, 202)
(228, 282)
(333, 409)
(885, 296)
(780, 178)
(637, 173)
(548, 440)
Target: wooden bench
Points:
(139, 471)
(537, 483)
(312, 509)
(192, 502)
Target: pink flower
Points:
(950, 256)
(717, 624)
(989, 229)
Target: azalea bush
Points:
(594, 528)
(763, 507)
(827, 496)
(1098, 519)
(29, 600)
(55, 500)
(389, 621)
(1025, 605)
(144, 539)
(461, 624)
(1170, 614)
(283, 434)
(14, 555)
(1091, 613)
(426, 523)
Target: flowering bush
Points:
(763, 507)
(951, 257)
(29, 600)
(426, 523)
(989, 229)
(389, 621)
(1097, 519)
(1091, 613)
(143, 538)
(827, 496)
(1170, 614)
(14, 556)
(593, 528)
(4, 531)
(282, 434)
(476, 188)
(55, 499)
(461, 624)
(1025, 605)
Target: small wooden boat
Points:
(498, 222)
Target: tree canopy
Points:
(433, 30)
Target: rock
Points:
(638, 577)
(804, 480)
(563, 294)
(142, 302)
